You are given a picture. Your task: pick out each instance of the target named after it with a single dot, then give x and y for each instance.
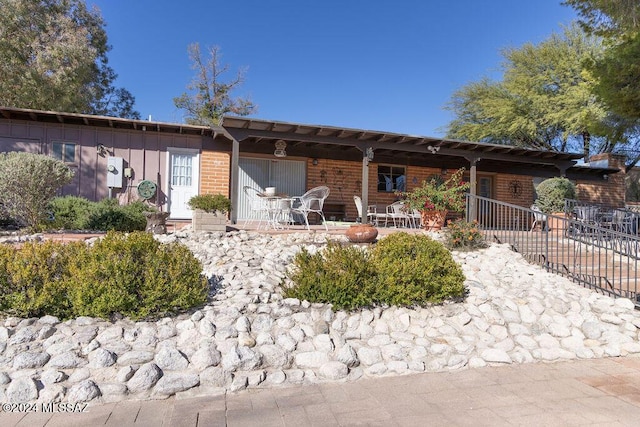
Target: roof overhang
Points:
(256, 135)
(110, 122)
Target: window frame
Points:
(394, 172)
(63, 152)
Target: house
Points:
(114, 157)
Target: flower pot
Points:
(558, 221)
(433, 220)
(362, 233)
(209, 221)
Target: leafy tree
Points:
(544, 101)
(211, 98)
(53, 56)
(607, 17)
(617, 72)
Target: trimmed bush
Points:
(210, 203)
(133, 275)
(28, 182)
(108, 215)
(402, 269)
(70, 212)
(552, 192)
(341, 275)
(415, 270)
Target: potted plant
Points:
(436, 197)
(209, 212)
(552, 193)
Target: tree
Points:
(211, 99)
(546, 99)
(53, 56)
(607, 17)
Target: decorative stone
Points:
(144, 378)
(30, 360)
(333, 370)
(171, 359)
(172, 382)
(85, 391)
(101, 358)
(22, 390)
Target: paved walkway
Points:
(600, 392)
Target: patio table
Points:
(278, 209)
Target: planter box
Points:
(205, 221)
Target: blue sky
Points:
(379, 65)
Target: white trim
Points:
(167, 178)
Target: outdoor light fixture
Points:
(101, 149)
(433, 149)
(444, 171)
(280, 147)
(315, 162)
(368, 155)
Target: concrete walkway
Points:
(599, 392)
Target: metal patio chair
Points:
(371, 210)
(311, 202)
(258, 207)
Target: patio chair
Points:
(397, 211)
(538, 218)
(622, 221)
(371, 210)
(311, 202)
(258, 207)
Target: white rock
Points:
(369, 356)
(333, 370)
(21, 390)
(84, 391)
(171, 359)
(495, 356)
(173, 382)
(144, 378)
(101, 358)
(30, 360)
(205, 357)
(311, 359)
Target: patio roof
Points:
(109, 122)
(258, 131)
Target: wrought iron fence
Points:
(596, 256)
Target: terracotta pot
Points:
(362, 233)
(433, 220)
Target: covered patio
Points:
(356, 150)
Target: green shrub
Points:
(32, 278)
(415, 270)
(461, 234)
(133, 275)
(340, 275)
(552, 192)
(108, 215)
(28, 182)
(401, 269)
(210, 203)
(70, 212)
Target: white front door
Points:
(182, 171)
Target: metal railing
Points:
(595, 256)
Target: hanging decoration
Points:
(515, 188)
(280, 149)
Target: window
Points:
(64, 151)
(391, 178)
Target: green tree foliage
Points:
(607, 17)
(28, 182)
(618, 70)
(544, 101)
(53, 56)
(210, 98)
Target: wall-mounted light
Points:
(314, 162)
(444, 171)
(605, 177)
(101, 149)
(280, 149)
